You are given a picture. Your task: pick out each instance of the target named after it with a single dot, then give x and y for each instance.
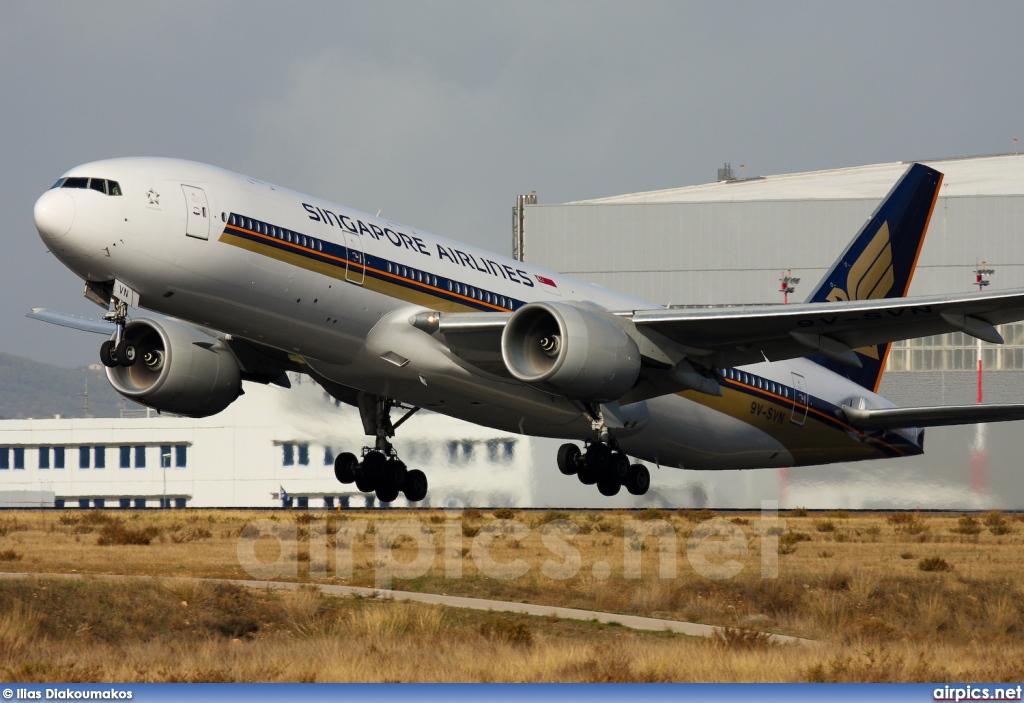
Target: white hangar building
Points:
(731, 241)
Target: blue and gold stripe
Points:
(769, 406)
(413, 285)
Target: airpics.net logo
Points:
(408, 548)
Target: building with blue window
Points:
(273, 438)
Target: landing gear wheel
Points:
(107, 356)
(586, 475)
(387, 493)
(126, 354)
(608, 488)
(394, 472)
(569, 459)
(345, 467)
(415, 486)
(366, 481)
(618, 468)
(638, 481)
(373, 463)
(599, 456)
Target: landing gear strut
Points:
(117, 351)
(380, 470)
(602, 462)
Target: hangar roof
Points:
(970, 176)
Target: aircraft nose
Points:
(54, 213)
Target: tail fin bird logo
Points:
(871, 276)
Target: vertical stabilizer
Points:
(880, 261)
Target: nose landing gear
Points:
(380, 471)
(118, 351)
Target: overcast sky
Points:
(440, 113)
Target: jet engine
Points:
(569, 350)
(178, 370)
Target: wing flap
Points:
(895, 418)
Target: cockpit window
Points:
(98, 184)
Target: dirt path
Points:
(634, 622)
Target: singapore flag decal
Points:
(547, 284)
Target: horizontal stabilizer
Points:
(895, 418)
(64, 319)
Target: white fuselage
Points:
(337, 288)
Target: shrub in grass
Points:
(508, 630)
(115, 532)
(934, 564)
(967, 525)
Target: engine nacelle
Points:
(571, 351)
(178, 369)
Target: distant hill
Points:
(29, 389)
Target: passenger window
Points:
(114, 189)
(231, 220)
(449, 286)
(76, 183)
(248, 224)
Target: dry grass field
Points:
(891, 597)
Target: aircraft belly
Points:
(687, 434)
(747, 429)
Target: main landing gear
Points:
(117, 351)
(604, 465)
(379, 470)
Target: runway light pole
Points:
(979, 458)
(981, 274)
(166, 462)
(787, 285)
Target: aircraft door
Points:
(355, 270)
(799, 415)
(197, 223)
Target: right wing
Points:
(65, 319)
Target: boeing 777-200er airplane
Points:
(256, 280)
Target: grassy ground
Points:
(901, 597)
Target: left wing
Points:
(682, 347)
(725, 337)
